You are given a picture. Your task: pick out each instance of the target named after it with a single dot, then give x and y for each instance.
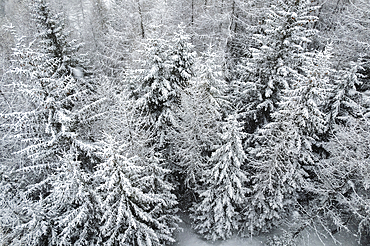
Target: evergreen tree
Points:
(60, 97)
(341, 197)
(159, 99)
(340, 193)
(203, 106)
(217, 215)
(160, 94)
(59, 109)
(345, 102)
(74, 206)
(276, 52)
(282, 162)
(135, 200)
(182, 59)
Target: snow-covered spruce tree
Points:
(153, 95)
(73, 203)
(345, 102)
(69, 215)
(181, 58)
(51, 73)
(342, 195)
(282, 162)
(279, 40)
(159, 95)
(218, 214)
(137, 203)
(203, 105)
(58, 111)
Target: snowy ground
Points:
(188, 238)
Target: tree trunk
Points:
(141, 19)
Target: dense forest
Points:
(119, 117)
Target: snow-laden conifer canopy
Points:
(172, 122)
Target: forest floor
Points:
(308, 238)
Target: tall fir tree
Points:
(73, 203)
(137, 204)
(341, 197)
(49, 73)
(203, 104)
(159, 97)
(282, 36)
(283, 160)
(217, 214)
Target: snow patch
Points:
(189, 238)
(308, 238)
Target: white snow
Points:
(189, 238)
(77, 72)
